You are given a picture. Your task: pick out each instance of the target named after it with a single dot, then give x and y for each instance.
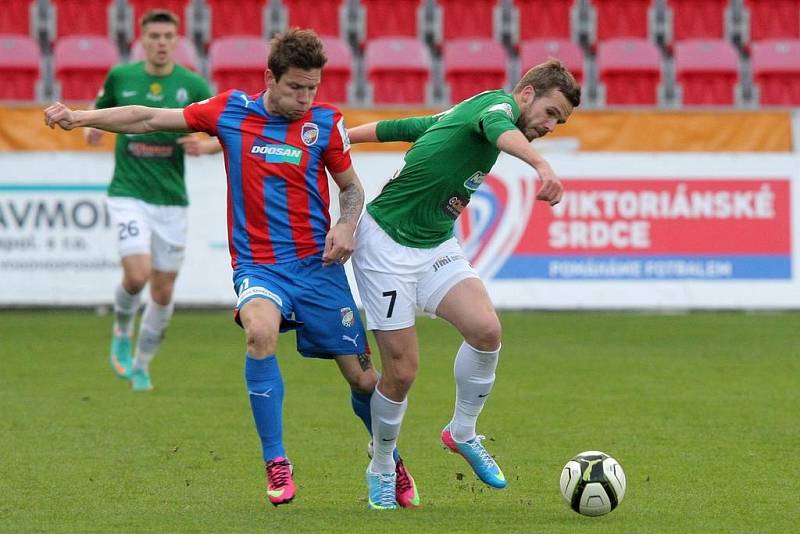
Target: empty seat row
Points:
(586, 21)
(399, 70)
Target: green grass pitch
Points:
(700, 409)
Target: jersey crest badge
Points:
(475, 181)
(309, 133)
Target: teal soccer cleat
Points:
(140, 380)
(120, 357)
(477, 457)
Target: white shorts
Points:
(394, 280)
(142, 228)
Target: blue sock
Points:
(265, 389)
(360, 402)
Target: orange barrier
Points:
(23, 128)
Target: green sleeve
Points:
(105, 98)
(408, 129)
(497, 120)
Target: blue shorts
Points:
(314, 300)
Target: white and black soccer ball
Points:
(593, 483)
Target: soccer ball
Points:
(593, 483)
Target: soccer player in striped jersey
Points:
(407, 258)
(287, 258)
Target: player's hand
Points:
(196, 145)
(60, 114)
(339, 245)
(551, 190)
(93, 136)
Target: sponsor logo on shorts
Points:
(348, 317)
(441, 261)
(309, 133)
(274, 153)
(258, 292)
(353, 340)
(454, 205)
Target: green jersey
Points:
(150, 166)
(452, 153)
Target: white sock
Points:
(387, 416)
(474, 372)
(125, 308)
(151, 332)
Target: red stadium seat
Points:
(16, 17)
(243, 17)
(185, 54)
(630, 70)
(81, 64)
(182, 8)
(472, 66)
(536, 51)
(774, 19)
(391, 18)
(692, 19)
(83, 17)
(323, 16)
(19, 67)
(707, 71)
(238, 62)
(776, 71)
(337, 73)
(545, 18)
(622, 18)
(398, 69)
(468, 18)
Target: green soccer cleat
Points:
(140, 380)
(120, 358)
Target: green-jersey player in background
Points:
(147, 195)
(407, 258)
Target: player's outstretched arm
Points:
(514, 142)
(366, 133)
(125, 119)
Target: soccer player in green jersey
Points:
(407, 258)
(147, 195)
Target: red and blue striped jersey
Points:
(278, 196)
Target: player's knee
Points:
(162, 295)
(486, 335)
(261, 340)
(400, 380)
(363, 382)
(134, 282)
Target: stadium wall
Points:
(637, 229)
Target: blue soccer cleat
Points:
(120, 358)
(477, 457)
(381, 488)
